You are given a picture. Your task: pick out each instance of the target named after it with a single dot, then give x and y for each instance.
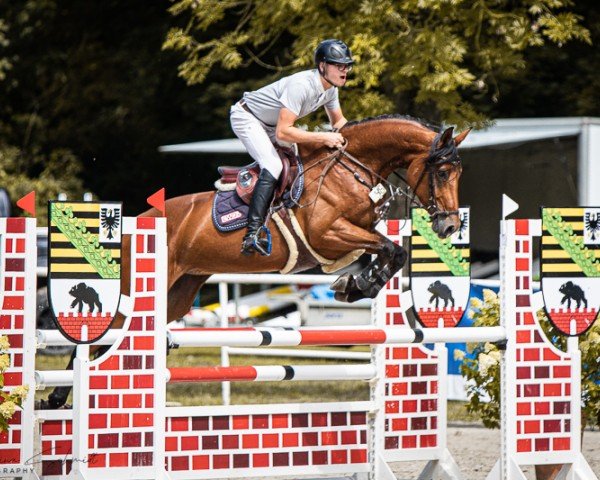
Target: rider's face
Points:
(336, 74)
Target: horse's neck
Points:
(382, 146)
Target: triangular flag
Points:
(27, 203)
(157, 200)
(508, 206)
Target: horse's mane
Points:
(394, 116)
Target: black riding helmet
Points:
(333, 51)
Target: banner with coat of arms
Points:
(84, 266)
(570, 267)
(440, 270)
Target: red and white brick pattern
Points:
(414, 374)
(543, 375)
(17, 323)
(294, 439)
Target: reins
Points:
(391, 191)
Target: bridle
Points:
(436, 158)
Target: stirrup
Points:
(261, 245)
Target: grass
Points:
(257, 392)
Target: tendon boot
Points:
(261, 200)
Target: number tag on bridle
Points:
(377, 193)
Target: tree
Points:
(439, 59)
(26, 165)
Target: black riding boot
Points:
(261, 200)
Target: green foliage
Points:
(483, 371)
(438, 59)
(48, 174)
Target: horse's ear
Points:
(445, 137)
(461, 136)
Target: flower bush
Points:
(9, 401)
(482, 372)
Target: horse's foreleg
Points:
(381, 270)
(389, 259)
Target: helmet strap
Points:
(322, 73)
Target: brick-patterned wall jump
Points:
(414, 424)
(17, 322)
(544, 375)
(294, 439)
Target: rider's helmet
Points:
(333, 51)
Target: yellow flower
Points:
(4, 362)
(4, 344)
(485, 362)
(490, 347)
(7, 409)
(489, 296)
(496, 355)
(459, 355)
(21, 391)
(476, 303)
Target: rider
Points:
(267, 115)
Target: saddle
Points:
(245, 177)
(236, 185)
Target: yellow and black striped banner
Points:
(84, 240)
(570, 242)
(432, 256)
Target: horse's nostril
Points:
(449, 231)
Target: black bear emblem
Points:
(572, 292)
(84, 294)
(440, 290)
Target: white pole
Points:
(223, 300)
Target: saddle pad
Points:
(230, 213)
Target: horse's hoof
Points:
(344, 283)
(350, 297)
(355, 296)
(341, 297)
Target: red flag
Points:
(157, 200)
(27, 203)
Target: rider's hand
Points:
(332, 139)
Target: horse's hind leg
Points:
(182, 294)
(58, 396)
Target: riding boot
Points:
(261, 200)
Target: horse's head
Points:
(434, 179)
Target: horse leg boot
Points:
(381, 270)
(373, 278)
(261, 200)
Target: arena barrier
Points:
(120, 427)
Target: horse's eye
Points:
(443, 175)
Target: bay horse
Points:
(335, 213)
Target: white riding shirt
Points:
(301, 93)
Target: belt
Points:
(243, 104)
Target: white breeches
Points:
(257, 138)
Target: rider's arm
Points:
(287, 132)
(336, 117)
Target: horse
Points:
(336, 214)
